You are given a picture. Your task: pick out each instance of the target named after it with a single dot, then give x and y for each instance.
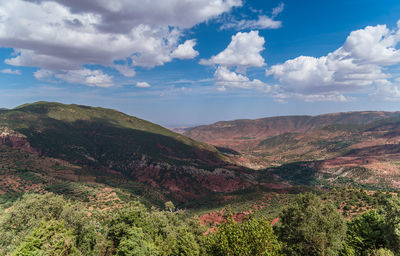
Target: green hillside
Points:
(110, 145)
(71, 131)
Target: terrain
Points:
(88, 153)
(245, 134)
(48, 146)
(81, 180)
(342, 148)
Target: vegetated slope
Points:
(246, 134)
(106, 143)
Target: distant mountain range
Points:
(352, 147)
(246, 133)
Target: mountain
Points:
(246, 134)
(89, 153)
(342, 148)
(60, 143)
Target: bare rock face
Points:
(15, 140)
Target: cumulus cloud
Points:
(185, 50)
(142, 84)
(63, 35)
(11, 71)
(243, 51)
(360, 62)
(224, 78)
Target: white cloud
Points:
(277, 10)
(63, 35)
(389, 92)
(44, 75)
(185, 50)
(221, 88)
(92, 78)
(360, 62)
(120, 15)
(224, 78)
(125, 70)
(243, 51)
(373, 45)
(262, 22)
(142, 84)
(11, 71)
(284, 97)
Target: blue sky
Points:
(182, 63)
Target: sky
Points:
(191, 62)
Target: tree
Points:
(169, 206)
(392, 218)
(27, 214)
(51, 238)
(310, 226)
(136, 244)
(166, 231)
(87, 229)
(133, 215)
(252, 237)
(185, 243)
(366, 232)
(382, 252)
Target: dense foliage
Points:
(47, 224)
(251, 237)
(310, 226)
